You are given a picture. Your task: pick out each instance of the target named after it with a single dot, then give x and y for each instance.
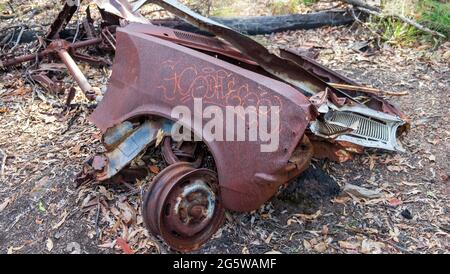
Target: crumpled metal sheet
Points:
(122, 9)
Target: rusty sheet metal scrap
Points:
(121, 9)
(61, 20)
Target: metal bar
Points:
(61, 21)
(77, 74)
(30, 57)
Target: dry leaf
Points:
(362, 192)
(308, 217)
(269, 238)
(5, 204)
(124, 246)
(49, 244)
(371, 247)
(273, 252)
(320, 247)
(245, 250)
(395, 202)
(63, 219)
(446, 55)
(154, 169)
(395, 168)
(128, 213)
(108, 194)
(348, 245)
(307, 245)
(76, 149)
(341, 200)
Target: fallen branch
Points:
(362, 6)
(367, 90)
(6, 17)
(269, 24)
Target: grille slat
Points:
(367, 128)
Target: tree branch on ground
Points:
(362, 6)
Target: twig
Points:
(78, 25)
(404, 19)
(11, 6)
(357, 20)
(368, 90)
(2, 168)
(97, 217)
(395, 245)
(6, 17)
(22, 29)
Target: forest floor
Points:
(41, 210)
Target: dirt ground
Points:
(43, 146)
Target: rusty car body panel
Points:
(185, 74)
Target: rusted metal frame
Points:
(61, 21)
(114, 10)
(286, 70)
(49, 50)
(62, 48)
(88, 24)
(95, 61)
(109, 37)
(77, 74)
(182, 152)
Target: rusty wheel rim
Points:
(183, 206)
(188, 152)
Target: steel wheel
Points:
(183, 206)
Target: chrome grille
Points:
(366, 127)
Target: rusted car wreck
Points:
(157, 68)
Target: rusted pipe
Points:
(76, 74)
(30, 57)
(22, 59)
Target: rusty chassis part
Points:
(48, 84)
(62, 49)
